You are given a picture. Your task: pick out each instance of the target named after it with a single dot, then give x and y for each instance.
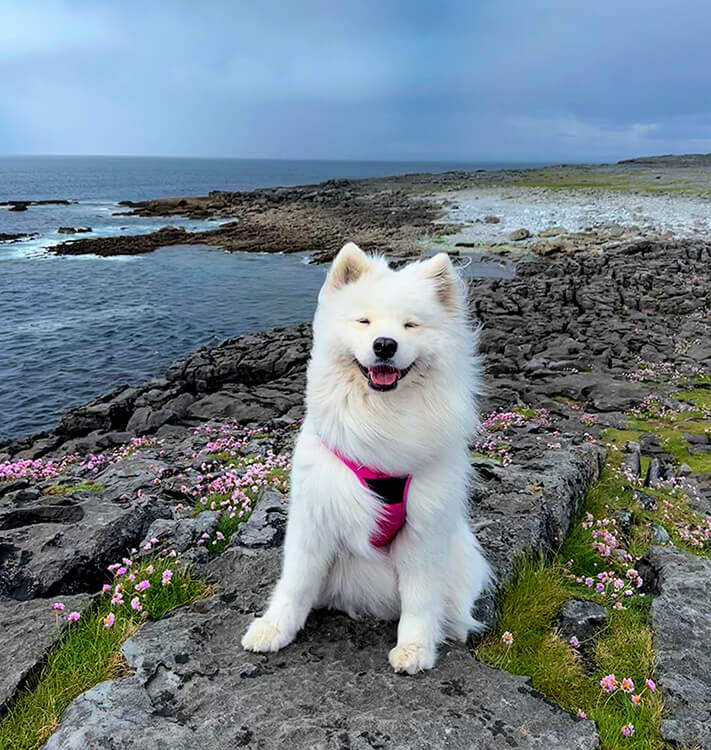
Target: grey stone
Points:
(581, 618)
(266, 525)
(681, 620)
(659, 534)
(182, 533)
(191, 683)
(519, 234)
(65, 549)
(27, 631)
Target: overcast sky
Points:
(535, 80)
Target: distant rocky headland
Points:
(593, 499)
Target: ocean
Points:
(72, 328)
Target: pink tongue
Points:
(383, 375)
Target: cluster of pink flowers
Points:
(35, 469)
(39, 468)
(653, 408)
(610, 684)
(665, 371)
(698, 536)
(588, 419)
(498, 423)
(96, 461)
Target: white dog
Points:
(378, 519)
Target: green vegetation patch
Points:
(67, 489)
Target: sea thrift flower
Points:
(636, 700)
(609, 683)
(582, 714)
(106, 588)
(142, 586)
(121, 571)
(651, 685)
(58, 607)
(136, 604)
(574, 642)
(109, 620)
(165, 578)
(507, 638)
(628, 685)
(73, 616)
(149, 570)
(117, 599)
(628, 730)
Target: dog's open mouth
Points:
(383, 377)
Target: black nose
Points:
(384, 347)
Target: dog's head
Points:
(382, 327)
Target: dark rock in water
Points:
(18, 206)
(73, 230)
(5, 237)
(331, 688)
(681, 620)
(27, 631)
(581, 618)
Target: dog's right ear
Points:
(350, 263)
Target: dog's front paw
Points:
(264, 635)
(412, 658)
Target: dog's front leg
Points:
(306, 561)
(422, 591)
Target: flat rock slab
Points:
(681, 618)
(27, 631)
(333, 688)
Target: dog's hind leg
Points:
(469, 576)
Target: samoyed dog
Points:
(378, 515)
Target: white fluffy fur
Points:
(431, 574)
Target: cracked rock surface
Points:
(681, 619)
(332, 688)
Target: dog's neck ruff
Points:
(391, 490)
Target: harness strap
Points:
(392, 491)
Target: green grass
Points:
(88, 653)
(66, 489)
(529, 607)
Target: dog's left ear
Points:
(350, 263)
(440, 271)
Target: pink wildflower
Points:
(582, 714)
(636, 700)
(136, 604)
(651, 685)
(574, 642)
(58, 607)
(106, 588)
(142, 585)
(165, 578)
(73, 616)
(507, 638)
(628, 685)
(109, 620)
(117, 598)
(628, 730)
(609, 683)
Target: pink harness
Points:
(392, 491)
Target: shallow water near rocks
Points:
(72, 328)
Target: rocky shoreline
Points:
(573, 345)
